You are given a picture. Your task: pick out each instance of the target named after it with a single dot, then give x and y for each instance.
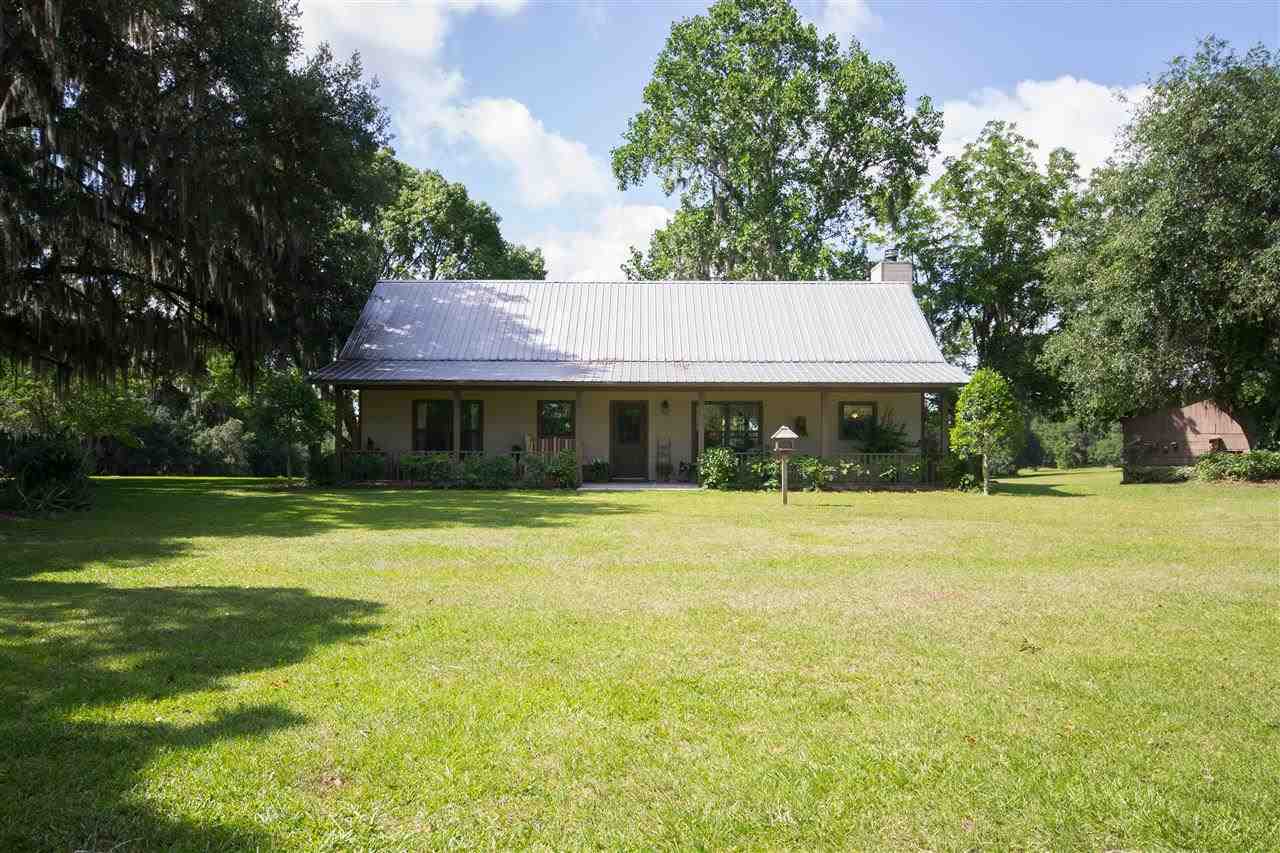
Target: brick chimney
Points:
(891, 269)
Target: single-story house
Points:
(642, 374)
(1179, 434)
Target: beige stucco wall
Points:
(509, 415)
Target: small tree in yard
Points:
(987, 420)
(287, 407)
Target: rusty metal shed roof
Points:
(652, 333)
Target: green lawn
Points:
(1071, 663)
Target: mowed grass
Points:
(1068, 664)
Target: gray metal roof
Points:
(656, 333)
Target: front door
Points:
(629, 438)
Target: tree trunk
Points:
(288, 461)
(986, 475)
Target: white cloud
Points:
(1080, 115)
(848, 18)
(597, 253)
(546, 165)
(400, 43)
(398, 39)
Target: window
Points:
(555, 419)
(472, 426)
(433, 425)
(733, 425)
(856, 420)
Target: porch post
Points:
(337, 419)
(823, 443)
(457, 425)
(944, 406)
(924, 411)
(337, 427)
(701, 420)
(577, 428)
(360, 421)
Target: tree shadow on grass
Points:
(72, 653)
(136, 521)
(1043, 490)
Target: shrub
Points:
(759, 472)
(815, 473)
(1256, 465)
(718, 468)
(488, 472)
(322, 469)
(721, 468)
(46, 474)
(596, 471)
(563, 470)
(224, 447)
(363, 466)
(165, 446)
(432, 469)
(556, 472)
(1157, 474)
(1069, 444)
(1108, 448)
(885, 435)
(536, 472)
(958, 472)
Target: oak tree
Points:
(782, 145)
(1169, 281)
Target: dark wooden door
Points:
(629, 438)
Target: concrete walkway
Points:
(637, 486)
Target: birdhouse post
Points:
(784, 444)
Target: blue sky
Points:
(522, 100)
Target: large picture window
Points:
(433, 425)
(555, 419)
(733, 425)
(856, 420)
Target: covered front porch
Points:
(871, 435)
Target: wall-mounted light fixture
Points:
(665, 406)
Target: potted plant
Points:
(664, 472)
(596, 471)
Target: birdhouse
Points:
(784, 440)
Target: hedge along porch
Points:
(621, 370)
(634, 429)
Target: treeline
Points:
(1153, 281)
(186, 195)
(216, 424)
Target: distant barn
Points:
(1176, 436)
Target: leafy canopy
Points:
(1169, 283)
(433, 229)
(987, 420)
(167, 170)
(981, 240)
(782, 146)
